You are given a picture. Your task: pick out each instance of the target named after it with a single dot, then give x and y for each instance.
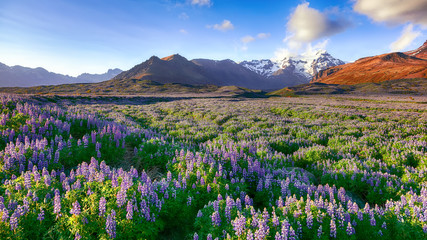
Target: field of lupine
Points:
(212, 168)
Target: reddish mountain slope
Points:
(420, 52)
(412, 64)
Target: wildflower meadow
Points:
(212, 168)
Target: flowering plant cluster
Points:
(210, 169)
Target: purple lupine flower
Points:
(215, 205)
(129, 209)
(319, 231)
(189, 200)
(262, 231)
(333, 228)
(40, 216)
(209, 237)
(196, 236)
(249, 235)
(216, 219)
(57, 204)
(102, 203)
(275, 220)
(199, 214)
(27, 180)
(292, 234)
(121, 197)
(77, 237)
(309, 220)
(14, 221)
(350, 230)
(110, 225)
(372, 221)
(239, 225)
(76, 208)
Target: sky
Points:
(76, 36)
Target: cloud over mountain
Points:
(407, 37)
(307, 24)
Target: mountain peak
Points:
(420, 52)
(174, 57)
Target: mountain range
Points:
(18, 76)
(180, 74)
(384, 67)
(255, 74)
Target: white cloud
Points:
(293, 51)
(201, 2)
(183, 16)
(407, 37)
(183, 31)
(394, 11)
(282, 53)
(247, 39)
(308, 24)
(263, 35)
(226, 25)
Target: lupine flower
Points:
(129, 209)
(216, 219)
(333, 228)
(57, 204)
(319, 232)
(209, 237)
(309, 220)
(110, 224)
(76, 208)
(239, 225)
(40, 216)
(121, 197)
(350, 230)
(14, 221)
(102, 203)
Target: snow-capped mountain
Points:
(263, 67)
(303, 66)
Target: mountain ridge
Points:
(379, 68)
(19, 76)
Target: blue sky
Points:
(76, 36)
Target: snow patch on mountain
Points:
(263, 67)
(307, 64)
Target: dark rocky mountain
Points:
(177, 69)
(172, 69)
(229, 73)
